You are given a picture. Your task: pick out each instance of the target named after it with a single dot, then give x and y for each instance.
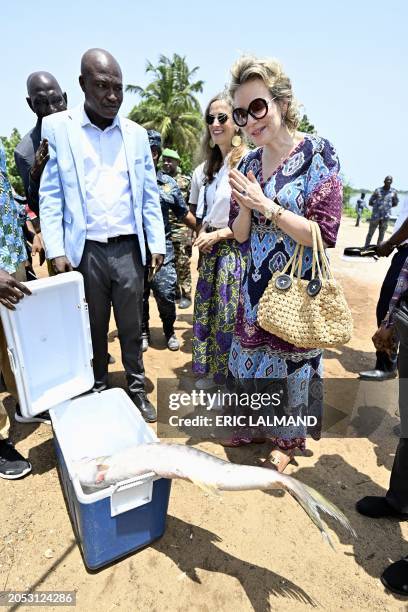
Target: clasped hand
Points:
(205, 241)
(246, 190)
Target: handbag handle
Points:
(320, 263)
(320, 254)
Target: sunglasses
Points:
(222, 118)
(257, 109)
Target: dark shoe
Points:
(145, 342)
(395, 577)
(99, 387)
(146, 408)
(378, 507)
(43, 417)
(111, 359)
(12, 464)
(378, 375)
(184, 303)
(172, 343)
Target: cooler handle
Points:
(132, 493)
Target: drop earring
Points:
(236, 140)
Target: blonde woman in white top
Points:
(217, 292)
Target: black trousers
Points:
(397, 495)
(113, 276)
(384, 362)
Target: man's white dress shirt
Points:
(109, 210)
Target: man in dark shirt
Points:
(45, 97)
(360, 206)
(164, 283)
(383, 200)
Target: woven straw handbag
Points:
(307, 313)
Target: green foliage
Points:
(347, 193)
(186, 164)
(306, 126)
(349, 209)
(9, 146)
(169, 105)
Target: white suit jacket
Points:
(63, 195)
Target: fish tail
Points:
(312, 502)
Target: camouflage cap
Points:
(154, 138)
(171, 153)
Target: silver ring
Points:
(244, 193)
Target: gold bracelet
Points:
(274, 213)
(278, 213)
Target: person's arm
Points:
(52, 205)
(179, 208)
(242, 224)
(206, 240)
(373, 198)
(400, 288)
(386, 247)
(151, 210)
(36, 170)
(190, 221)
(11, 291)
(240, 217)
(395, 199)
(384, 337)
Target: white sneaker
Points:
(206, 382)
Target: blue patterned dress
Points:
(308, 184)
(12, 247)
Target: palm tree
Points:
(168, 104)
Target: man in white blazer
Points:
(98, 197)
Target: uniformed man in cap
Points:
(164, 282)
(181, 236)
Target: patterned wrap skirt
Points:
(215, 309)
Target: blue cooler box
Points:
(50, 351)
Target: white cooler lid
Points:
(49, 342)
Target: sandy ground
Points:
(242, 551)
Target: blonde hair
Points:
(248, 68)
(212, 156)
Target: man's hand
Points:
(157, 262)
(384, 249)
(41, 158)
(38, 247)
(61, 264)
(11, 291)
(384, 339)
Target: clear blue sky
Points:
(347, 61)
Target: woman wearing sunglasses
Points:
(291, 177)
(216, 296)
